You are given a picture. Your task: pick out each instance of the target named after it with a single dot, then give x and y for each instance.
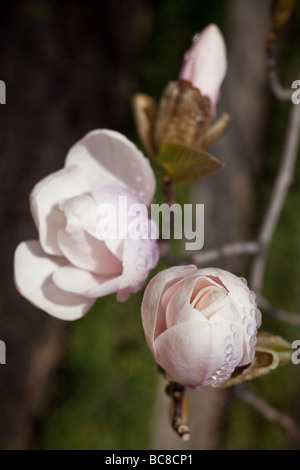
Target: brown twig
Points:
(179, 410)
(269, 412)
(279, 314)
(207, 256)
(283, 181)
(281, 93)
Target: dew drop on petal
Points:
(228, 357)
(251, 329)
(253, 340)
(258, 317)
(195, 37)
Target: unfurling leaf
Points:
(183, 114)
(276, 344)
(213, 132)
(281, 12)
(270, 352)
(187, 164)
(145, 113)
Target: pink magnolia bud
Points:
(205, 63)
(200, 324)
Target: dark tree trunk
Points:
(68, 68)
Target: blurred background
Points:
(73, 66)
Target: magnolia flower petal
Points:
(113, 203)
(197, 354)
(226, 352)
(84, 208)
(153, 315)
(106, 155)
(82, 249)
(140, 256)
(183, 351)
(33, 271)
(242, 303)
(205, 63)
(192, 285)
(44, 203)
(202, 282)
(210, 300)
(86, 252)
(85, 283)
(179, 309)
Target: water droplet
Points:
(244, 281)
(148, 262)
(221, 373)
(229, 348)
(252, 298)
(251, 329)
(258, 317)
(139, 268)
(227, 339)
(235, 335)
(232, 306)
(245, 319)
(232, 327)
(252, 312)
(196, 37)
(253, 340)
(228, 357)
(141, 252)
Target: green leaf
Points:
(187, 164)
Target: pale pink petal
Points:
(205, 63)
(85, 283)
(84, 208)
(179, 309)
(139, 258)
(193, 353)
(45, 199)
(183, 351)
(153, 315)
(104, 155)
(33, 271)
(202, 282)
(82, 249)
(243, 302)
(210, 300)
(86, 252)
(112, 205)
(192, 285)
